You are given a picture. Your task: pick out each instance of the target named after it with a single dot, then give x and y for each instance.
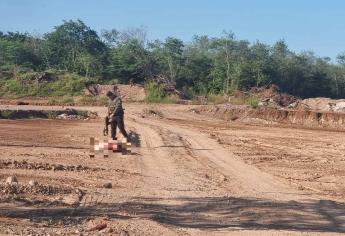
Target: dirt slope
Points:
(268, 115)
(189, 175)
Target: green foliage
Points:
(252, 101)
(53, 102)
(68, 100)
(6, 114)
(66, 85)
(92, 101)
(216, 98)
(77, 55)
(103, 101)
(69, 84)
(154, 93)
(18, 88)
(75, 47)
(52, 114)
(87, 101)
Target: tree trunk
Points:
(227, 68)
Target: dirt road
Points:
(188, 175)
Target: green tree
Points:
(74, 47)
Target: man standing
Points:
(115, 115)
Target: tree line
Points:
(205, 65)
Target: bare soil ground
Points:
(188, 175)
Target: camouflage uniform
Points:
(116, 114)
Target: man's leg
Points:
(113, 125)
(106, 125)
(121, 125)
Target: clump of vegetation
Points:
(252, 101)
(88, 100)
(66, 85)
(52, 114)
(7, 114)
(216, 98)
(53, 102)
(102, 101)
(156, 94)
(68, 100)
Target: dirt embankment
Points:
(65, 114)
(129, 93)
(272, 115)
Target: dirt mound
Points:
(273, 95)
(322, 104)
(135, 93)
(273, 115)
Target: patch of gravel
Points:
(9, 164)
(10, 189)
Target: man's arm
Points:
(112, 107)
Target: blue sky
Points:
(316, 25)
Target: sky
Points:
(316, 25)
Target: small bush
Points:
(53, 102)
(154, 93)
(216, 98)
(27, 76)
(18, 88)
(68, 84)
(169, 100)
(68, 100)
(6, 114)
(252, 101)
(102, 101)
(52, 114)
(87, 101)
(188, 92)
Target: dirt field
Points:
(188, 175)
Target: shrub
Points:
(216, 98)
(18, 88)
(252, 101)
(68, 100)
(6, 114)
(53, 102)
(102, 101)
(154, 93)
(87, 100)
(68, 84)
